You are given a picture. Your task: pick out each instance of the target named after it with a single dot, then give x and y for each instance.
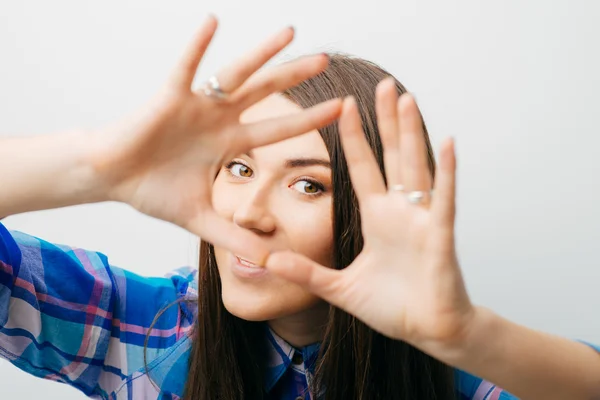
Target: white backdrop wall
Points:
(514, 82)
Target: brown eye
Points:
(307, 187)
(310, 188)
(241, 170)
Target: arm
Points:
(45, 172)
(527, 363)
(67, 315)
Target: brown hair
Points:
(355, 362)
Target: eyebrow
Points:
(307, 162)
(301, 162)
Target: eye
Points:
(307, 186)
(239, 170)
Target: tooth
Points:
(246, 263)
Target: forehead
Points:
(308, 144)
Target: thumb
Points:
(322, 281)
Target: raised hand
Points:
(163, 161)
(406, 282)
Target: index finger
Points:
(276, 129)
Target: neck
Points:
(303, 328)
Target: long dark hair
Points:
(355, 362)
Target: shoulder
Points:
(185, 281)
(186, 278)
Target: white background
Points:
(516, 83)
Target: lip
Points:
(244, 271)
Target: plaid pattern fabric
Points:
(67, 315)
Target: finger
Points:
(443, 204)
(279, 78)
(277, 129)
(362, 166)
(413, 150)
(326, 283)
(387, 122)
(223, 233)
(185, 71)
(233, 76)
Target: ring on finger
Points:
(418, 196)
(397, 188)
(212, 89)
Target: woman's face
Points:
(282, 192)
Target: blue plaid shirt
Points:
(67, 315)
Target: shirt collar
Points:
(171, 372)
(280, 355)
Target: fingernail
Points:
(265, 259)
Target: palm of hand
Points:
(167, 170)
(406, 282)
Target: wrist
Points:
(87, 183)
(478, 342)
(110, 169)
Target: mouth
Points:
(246, 269)
(246, 263)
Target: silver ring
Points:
(418, 196)
(397, 188)
(212, 88)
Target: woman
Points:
(383, 254)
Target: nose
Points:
(253, 213)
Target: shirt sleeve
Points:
(470, 387)
(67, 315)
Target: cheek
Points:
(222, 200)
(311, 232)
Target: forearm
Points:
(527, 363)
(45, 172)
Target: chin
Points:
(264, 306)
(249, 309)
